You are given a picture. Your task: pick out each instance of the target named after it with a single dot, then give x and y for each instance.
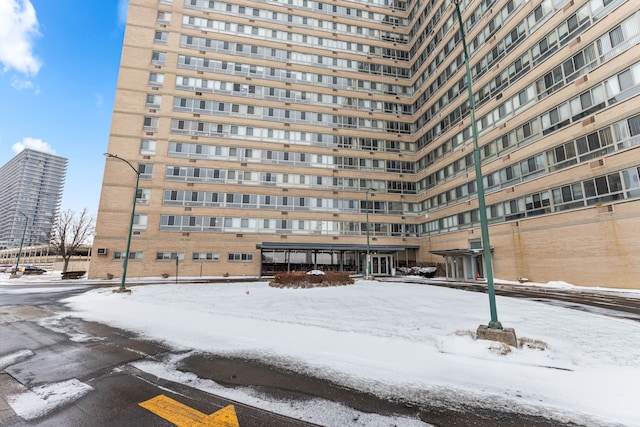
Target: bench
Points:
(73, 275)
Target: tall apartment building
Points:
(31, 186)
(281, 135)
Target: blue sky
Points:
(59, 64)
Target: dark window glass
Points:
(589, 188)
(601, 185)
(615, 184)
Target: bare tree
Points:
(69, 232)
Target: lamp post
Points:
(133, 212)
(494, 323)
(368, 261)
(24, 231)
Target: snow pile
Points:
(44, 399)
(15, 357)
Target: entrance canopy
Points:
(333, 247)
(463, 264)
(459, 252)
(278, 257)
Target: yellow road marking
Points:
(225, 417)
(185, 416)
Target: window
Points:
(475, 244)
(150, 124)
(631, 179)
(146, 170)
(213, 221)
(634, 125)
(532, 167)
(568, 197)
(139, 221)
(206, 256)
(161, 37)
(595, 144)
(142, 196)
(158, 58)
(153, 101)
(156, 79)
(247, 257)
(556, 118)
(616, 37)
(168, 220)
(619, 87)
(537, 204)
(147, 147)
(625, 79)
(550, 82)
(604, 185)
(587, 102)
(164, 17)
(132, 255)
(165, 256)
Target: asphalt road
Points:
(100, 357)
(603, 301)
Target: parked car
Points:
(315, 273)
(428, 272)
(27, 269)
(32, 269)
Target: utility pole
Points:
(24, 231)
(494, 330)
(125, 264)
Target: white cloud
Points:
(33, 144)
(123, 6)
(18, 29)
(23, 84)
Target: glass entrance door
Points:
(381, 264)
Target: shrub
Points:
(303, 280)
(336, 278)
(289, 278)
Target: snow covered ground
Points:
(397, 340)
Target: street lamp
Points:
(133, 212)
(494, 323)
(368, 262)
(24, 231)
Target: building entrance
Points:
(382, 265)
(463, 264)
(286, 257)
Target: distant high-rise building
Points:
(31, 186)
(278, 135)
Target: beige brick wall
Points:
(589, 247)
